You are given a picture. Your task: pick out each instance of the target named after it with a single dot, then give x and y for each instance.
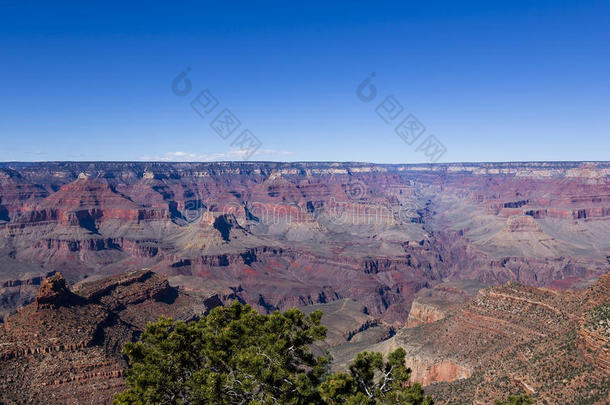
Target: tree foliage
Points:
(231, 356)
(371, 381)
(236, 356)
(516, 400)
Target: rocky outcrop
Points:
(54, 292)
(65, 348)
(426, 371)
(524, 223)
(512, 338)
(436, 303)
(422, 313)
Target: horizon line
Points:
(299, 162)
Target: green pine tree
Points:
(231, 356)
(373, 381)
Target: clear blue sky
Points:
(492, 80)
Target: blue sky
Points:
(491, 80)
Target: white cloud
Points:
(231, 154)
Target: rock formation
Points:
(433, 304)
(65, 348)
(552, 345)
(54, 292)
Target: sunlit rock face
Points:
(278, 235)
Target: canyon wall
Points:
(278, 235)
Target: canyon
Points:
(431, 257)
(278, 235)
